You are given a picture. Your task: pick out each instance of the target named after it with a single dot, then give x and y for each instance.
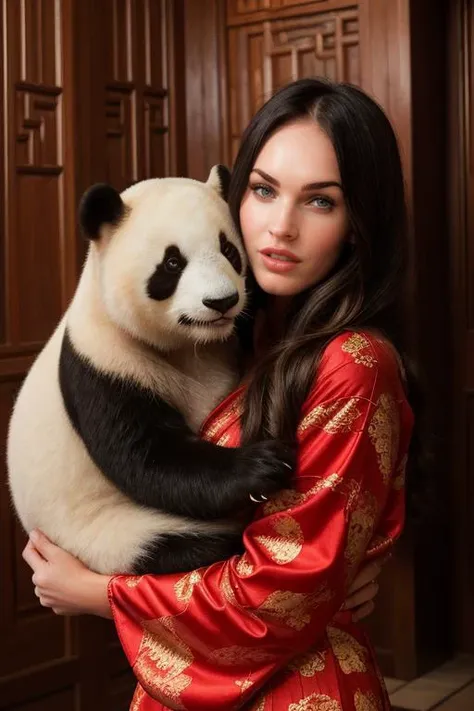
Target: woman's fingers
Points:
(363, 611)
(366, 575)
(362, 596)
(32, 557)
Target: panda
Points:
(103, 451)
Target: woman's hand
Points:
(62, 582)
(363, 590)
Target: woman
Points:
(317, 190)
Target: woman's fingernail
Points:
(34, 536)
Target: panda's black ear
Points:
(101, 204)
(219, 180)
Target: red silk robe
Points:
(263, 630)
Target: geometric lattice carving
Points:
(156, 130)
(314, 46)
(37, 124)
(266, 55)
(136, 108)
(120, 134)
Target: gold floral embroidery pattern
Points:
(236, 655)
(288, 498)
(284, 500)
(260, 704)
(316, 702)
(226, 587)
(223, 441)
(185, 586)
(309, 664)
(349, 653)
(244, 685)
(384, 432)
(339, 416)
(138, 697)
(293, 608)
(132, 581)
(362, 515)
(235, 410)
(333, 481)
(161, 661)
(355, 345)
(366, 702)
(399, 481)
(287, 545)
(244, 567)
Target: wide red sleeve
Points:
(210, 638)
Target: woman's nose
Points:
(283, 224)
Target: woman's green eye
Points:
(262, 191)
(323, 203)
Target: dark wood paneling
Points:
(206, 84)
(243, 11)
(89, 97)
(3, 275)
(461, 194)
(36, 171)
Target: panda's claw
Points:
(258, 501)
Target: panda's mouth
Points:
(217, 322)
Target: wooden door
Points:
(87, 96)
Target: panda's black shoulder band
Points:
(144, 446)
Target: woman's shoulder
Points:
(361, 356)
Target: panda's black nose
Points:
(222, 305)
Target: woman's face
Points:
(293, 215)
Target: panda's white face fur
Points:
(172, 270)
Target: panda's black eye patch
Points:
(231, 253)
(164, 280)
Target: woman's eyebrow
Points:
(309, 186)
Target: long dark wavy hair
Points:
(364, 289)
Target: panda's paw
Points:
(265, 468)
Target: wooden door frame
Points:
(461, 221)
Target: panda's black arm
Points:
(146, 449)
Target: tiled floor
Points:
(447, 688)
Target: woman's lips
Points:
(279, 260)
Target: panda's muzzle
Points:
(220, 321)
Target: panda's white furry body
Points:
(101, 451)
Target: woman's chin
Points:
(279, 284)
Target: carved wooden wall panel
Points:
(38, 255)
(136, 80)
(35, 174)
(262, 57)
(85, 97)
(245, 9)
